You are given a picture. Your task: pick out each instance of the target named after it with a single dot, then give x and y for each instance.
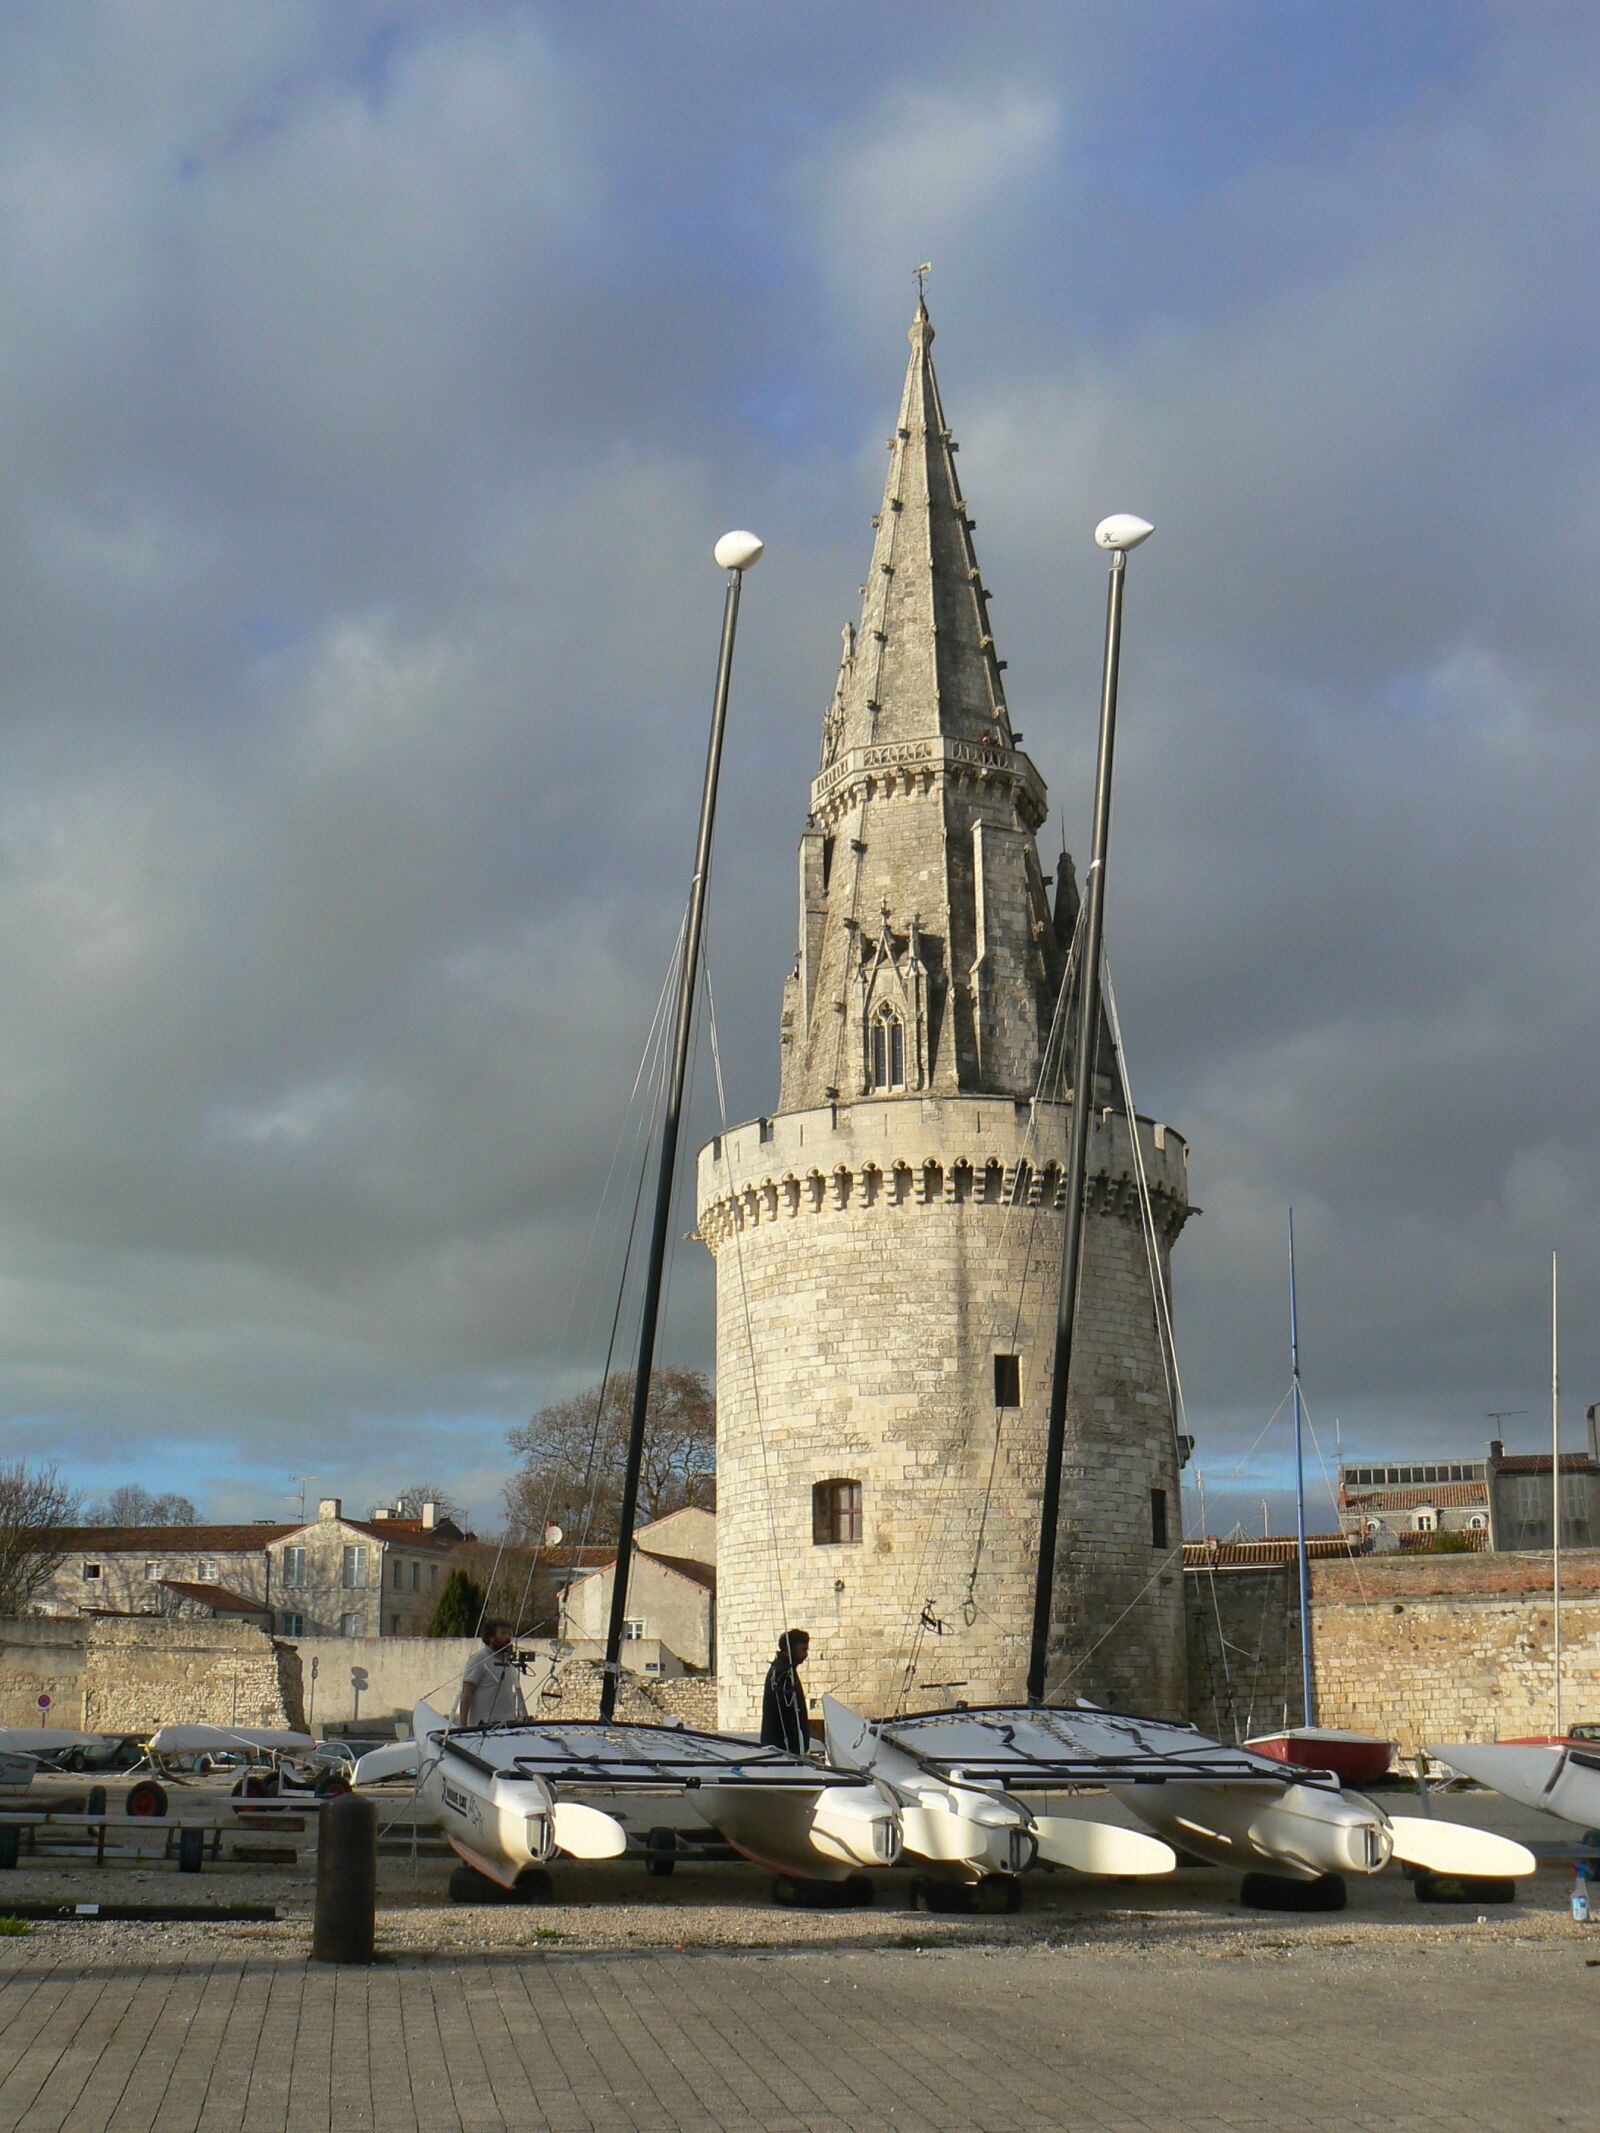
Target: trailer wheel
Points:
(332, 1788)
(1276, 1892)
(660, 1852)
(467, 1885)
(997, 1894)
(147, 1798)
(95, 1804)
(1465, 1888)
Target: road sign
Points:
(44, 1703)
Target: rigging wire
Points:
(744, 1296)
(1160, 1294)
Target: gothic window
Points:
(835, 1513)
(1007, 1381)
(887, 1066)
(1158, 1518)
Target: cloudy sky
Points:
(374, 379)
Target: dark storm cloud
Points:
(377, 380)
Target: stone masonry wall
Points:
(871, 1263)
(142, 1674)
(41, 1656)
(1447, 1647)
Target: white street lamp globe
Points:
(1122, 530)
(739, 551)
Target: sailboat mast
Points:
(1118, 535)
(1555, 1469)
(1302, 1552)
(737, 552)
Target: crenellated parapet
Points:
(881, 1159)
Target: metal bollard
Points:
(347, 1881)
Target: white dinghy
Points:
(1225, 1805)
(512, 1796)
(1559, 1778)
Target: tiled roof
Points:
(1262, 1554)
(1444, 1496)
(215, 1596)
(170, 1540)
(1539, 1463)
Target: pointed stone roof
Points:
(923, 660)
(929, 958)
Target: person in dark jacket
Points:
(783, 1704)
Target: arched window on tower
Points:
(886, 1065)
(835, 1513)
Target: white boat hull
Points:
(1555, 1780)
(1298, 1831)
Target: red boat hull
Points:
(1354, 1758)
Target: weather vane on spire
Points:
(922, 274)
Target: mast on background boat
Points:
(1118, 534)
(1555, 1470)
(736, 553)
(1302, 1551)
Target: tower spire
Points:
(924, 806)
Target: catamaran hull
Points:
(827, 1837)
(1298, 1831)
(1555, 1780)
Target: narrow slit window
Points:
(1008, 1381)
(1158, 1518)
(835, 1513)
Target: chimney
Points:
(430, 1517)
(330, 1507)
(1594, 1432)
(1497, 1450)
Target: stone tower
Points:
(888, 1242)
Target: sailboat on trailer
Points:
(514, 1795)
(1288, 1831)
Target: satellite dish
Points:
(552, 1536)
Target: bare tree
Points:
(133, 1506)
(34, 1502)
(574, 1454)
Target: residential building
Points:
(672, 1596)
(160, 1570)
(358, 1577)
(1388, 1503)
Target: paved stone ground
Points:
(691, 2003)
(1278, 2028)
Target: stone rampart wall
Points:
(1446, 1647)
(42, 1656)
(139, 1675)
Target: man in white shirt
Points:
(491, 1684)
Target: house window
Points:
(152, 1573)
(1477, 1521)
(433, 1575)
(394, 1625)
(1158, 1518)
(1427, 1521)
(206, 1571)
(835, 1513)
(416, 1577)
(91, 1573)
(350, 1625)
(294, 1625)
(1007, 1381)
(632, 1632)
(887, 1066)
(294, 1566)
(355, 1568)
(399, 1573)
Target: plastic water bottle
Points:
(1580, 1893)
